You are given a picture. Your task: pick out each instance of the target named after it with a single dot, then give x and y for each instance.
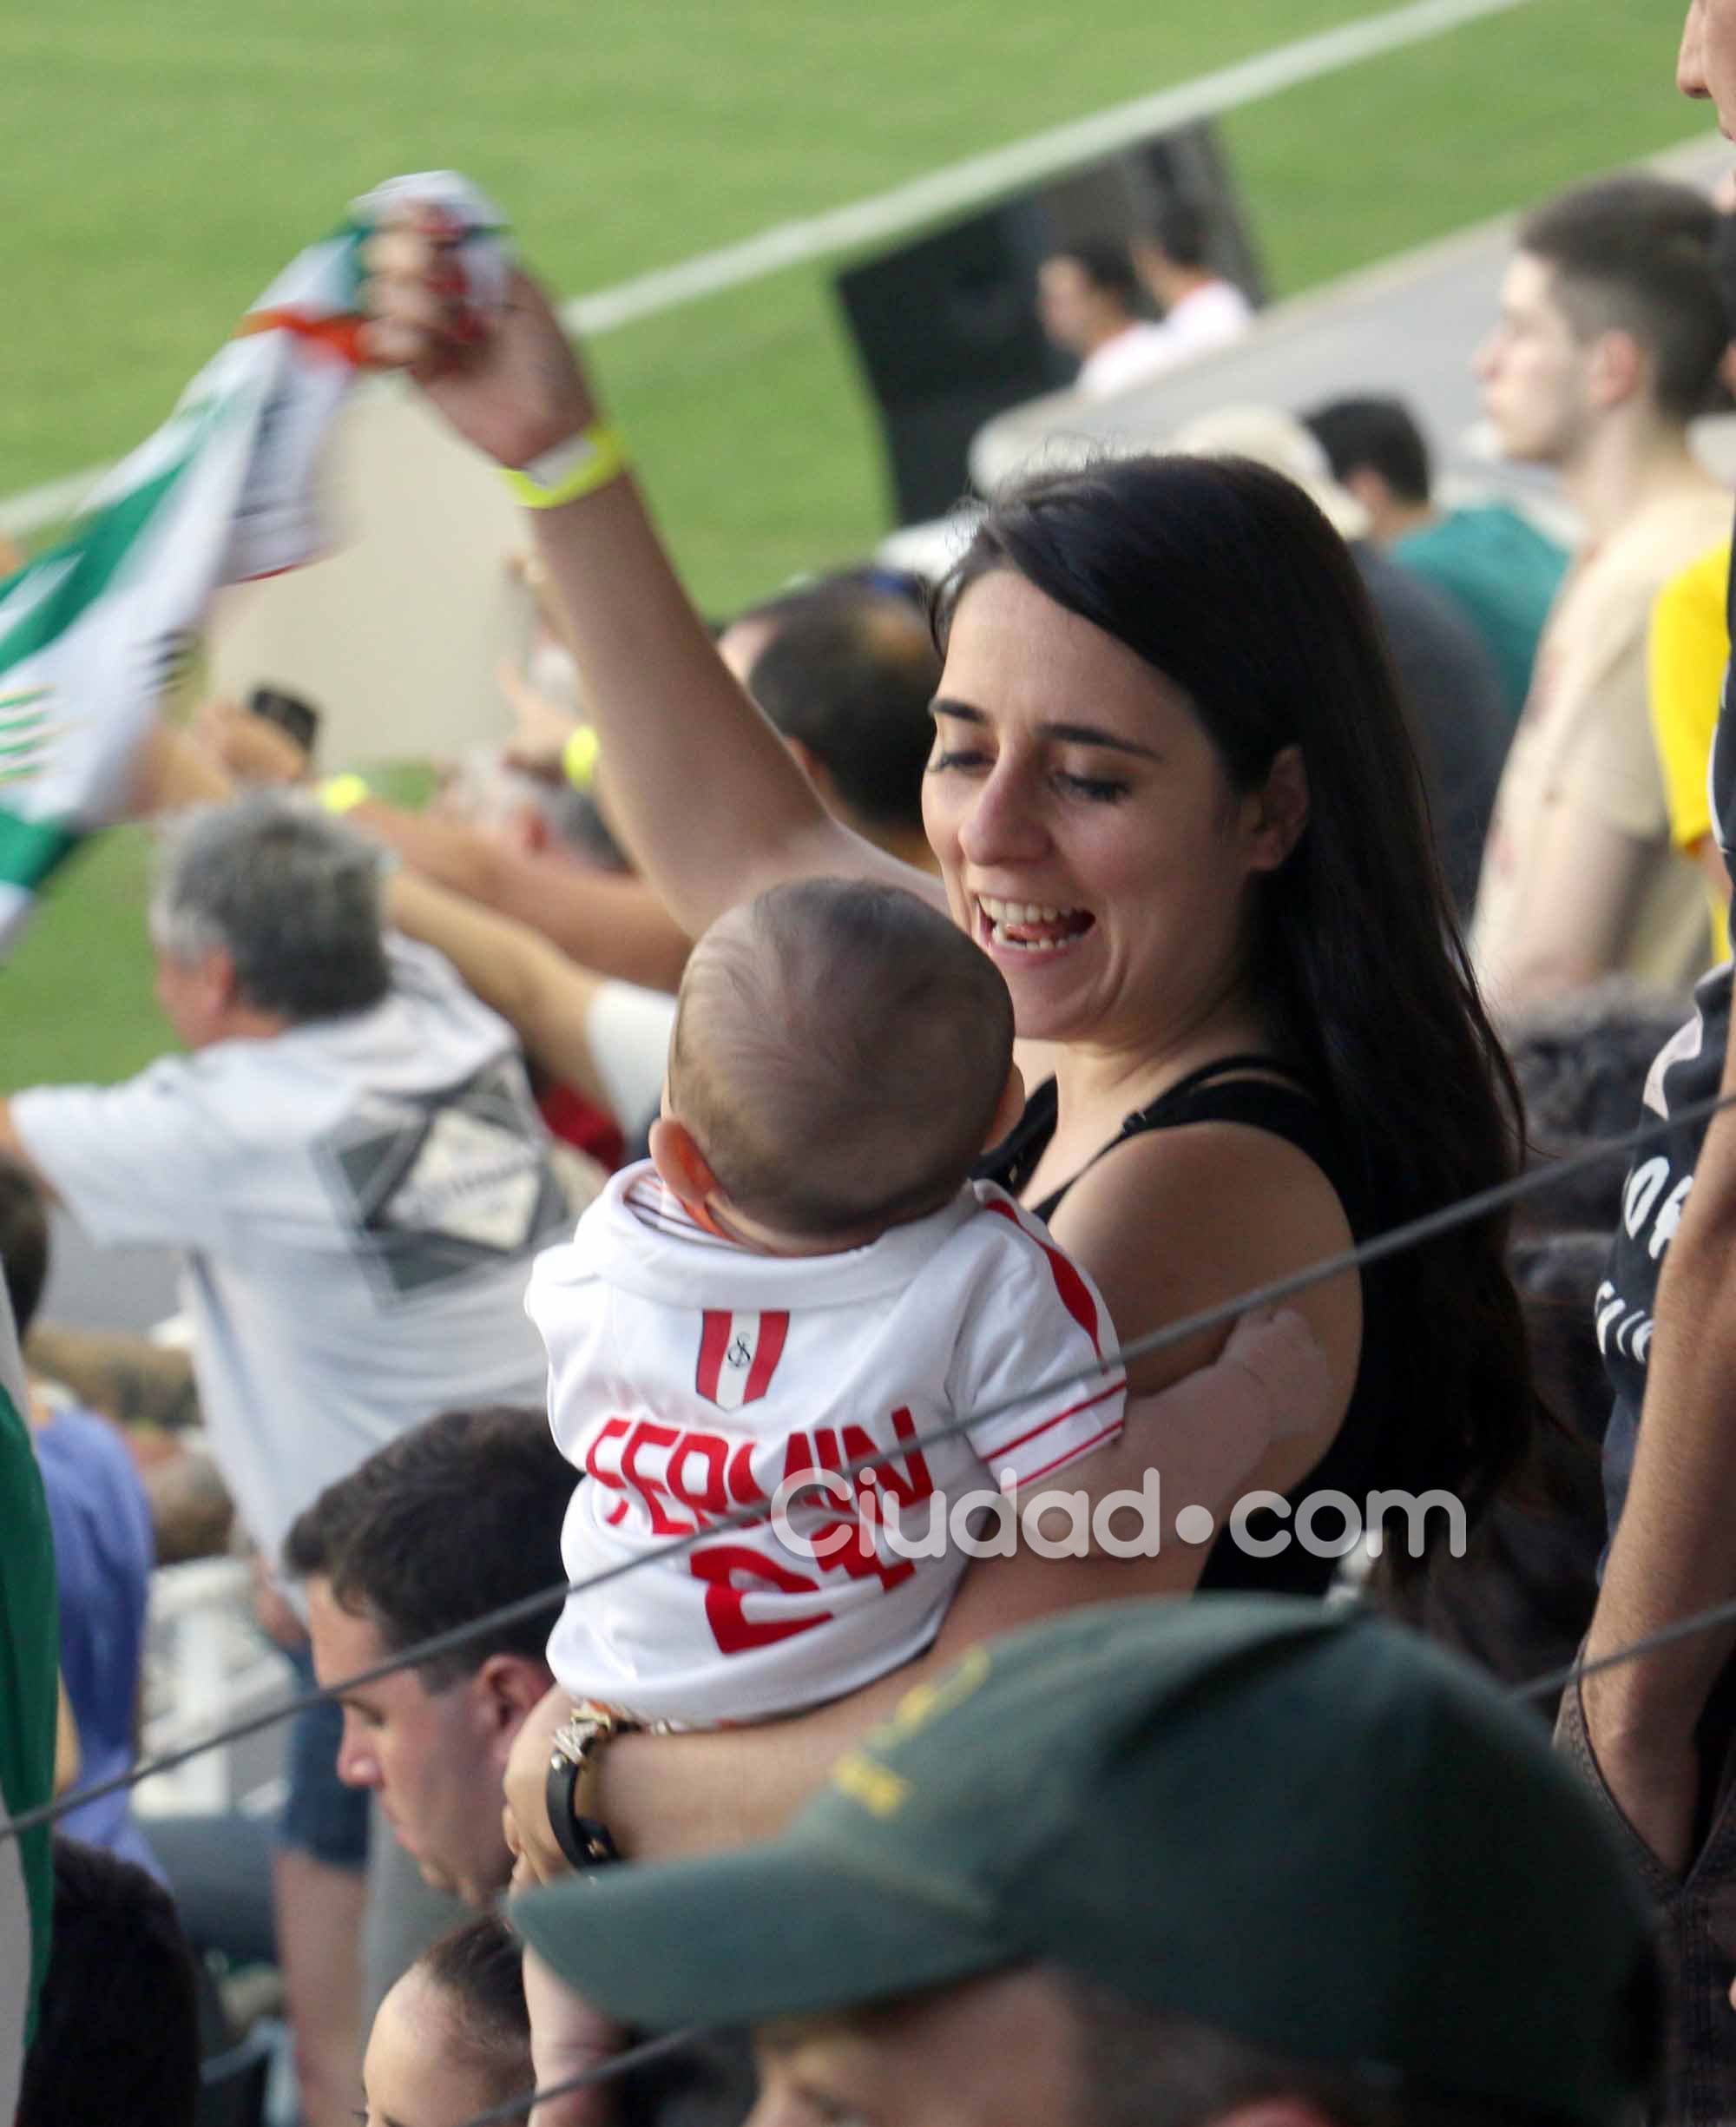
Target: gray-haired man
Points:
(352, 1160)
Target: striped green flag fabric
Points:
(223, 493)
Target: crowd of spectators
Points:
(865, 1018)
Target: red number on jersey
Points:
(734, 1572)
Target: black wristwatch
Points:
(586, 1841)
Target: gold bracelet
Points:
(578, 467)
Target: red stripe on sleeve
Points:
(1075, 1294)
(1109, 1432)
(1085, 1403)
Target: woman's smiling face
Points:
(1088, 834)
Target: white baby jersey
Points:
(689, 1377)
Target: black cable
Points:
(605, 2071)
(1414, 1234)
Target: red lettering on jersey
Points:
(601, 1473)
(710, 1451)
(735, 1572)
(644, 1434)
(798, 1457)
(916, 1484)
(744, 1488)
(911, 1489)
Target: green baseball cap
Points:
(1304, 1826)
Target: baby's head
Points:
(452, 2038)
(842, 1055)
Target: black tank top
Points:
(1223, 1091)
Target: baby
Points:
(804, 1274)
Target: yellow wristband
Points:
(579, 466)
(579, 758)
(342, 793)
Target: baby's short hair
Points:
(839, 1052)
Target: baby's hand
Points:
(1281, 1350)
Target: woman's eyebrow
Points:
(1076, 734)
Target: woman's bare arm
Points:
(708, 798)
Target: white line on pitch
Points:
(1003, 169)
(946, 191)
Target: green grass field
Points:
(179, 152)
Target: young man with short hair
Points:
(1495, 564)
(1609, 338)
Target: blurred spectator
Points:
(459, 1517)
(1491, 560)
(1086, 303)
(1518, 1601)
(1655, 1738)
(847, 678)
(1609, 339)
(28, 1710)
(103, 1550)
(542, 816)
(538, 815)
(1160, 1863)
(846, 669)
(118, 2038)
(452, 2038)
(1689, 650)
(1581, 1062)
(351, 1160)
(1447, 681)
(1201, 309)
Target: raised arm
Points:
(542, 995)
(709, 799)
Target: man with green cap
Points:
(1232, 1860)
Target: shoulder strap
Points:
(1180, 1096)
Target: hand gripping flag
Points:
(92, 631)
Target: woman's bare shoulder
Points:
(1179, 1221)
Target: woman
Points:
(1172, 797)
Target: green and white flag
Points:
(91, 631)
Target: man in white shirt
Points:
(1201, 309)
(1086, 296)
(352, 1160)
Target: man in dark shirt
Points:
(1657, 1730)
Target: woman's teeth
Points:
(1032, 926)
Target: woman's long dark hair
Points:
(1228, 580)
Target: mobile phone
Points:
(299, 718)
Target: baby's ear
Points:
(1007, 1108)
(681, 1165)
